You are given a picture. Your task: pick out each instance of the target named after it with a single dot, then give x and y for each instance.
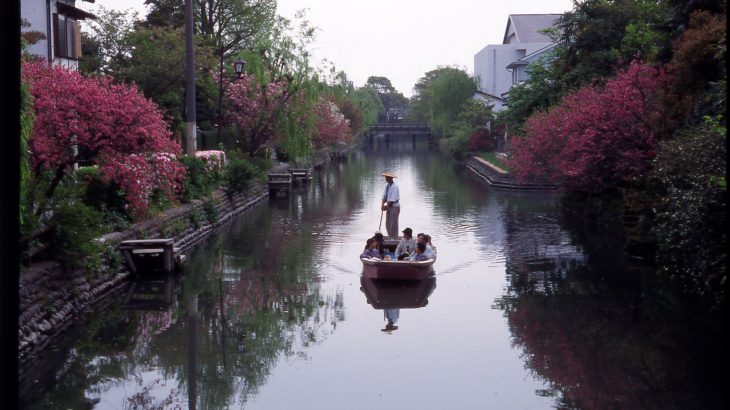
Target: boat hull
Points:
(400, 270)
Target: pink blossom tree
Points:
(597, 137)
(112, 125)
(331, 125)
(254, 108)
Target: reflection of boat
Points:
(397, 294)
(395, 269)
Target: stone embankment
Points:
(501, 179)
(51, 299)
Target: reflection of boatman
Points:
(392, 316)
(391, 205)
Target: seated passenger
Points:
(420, 255)
(430, 250)
(379, 241)
(406, 246)
(370, 249)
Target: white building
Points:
(499, 66)
(59, 22)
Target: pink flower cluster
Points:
(332, 126)
(254, 107)
(214, 160)
(113, 125)
(596, 137)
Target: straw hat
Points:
(389, 174)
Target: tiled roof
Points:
(526, 27)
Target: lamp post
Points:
(238, 68)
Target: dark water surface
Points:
(527, 310)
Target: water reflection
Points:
(154, 292)
(270, 313)
(600, 331)
(391, 296)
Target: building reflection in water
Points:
(391, 296)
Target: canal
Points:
(529, 309)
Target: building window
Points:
(66, 37)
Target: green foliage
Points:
(240, 172)
(440, 96)
(690, 171)
(210, 211)
(602, 36)
(541, 90)
(110, 48)
(195, 217)
(173, 228)
(474, 116)
(389, 97)
(91, 60)
(456, 145)
(596, 39)
(369, 103)
(199, 182)
(492, 158)
(26, 130)
(76, 227)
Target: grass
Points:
(492, 157)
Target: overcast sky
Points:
(398, 39)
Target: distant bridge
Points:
(400, 130)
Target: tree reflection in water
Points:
(603, 332)
(250, 295)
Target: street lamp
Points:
(238, 68)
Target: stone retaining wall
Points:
(498, 178)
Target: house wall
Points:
(497, 105)
(490, 65)
(34, 11)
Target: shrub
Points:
(214, 160)
(211, 212)
(76, 227)
(195, 217)
(690, 170)
(199, 181)
(106, 197)
(113, 125)
(597, 138)
(240, 171)
(457, 144)
(481, 140)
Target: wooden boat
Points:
(395, 269)
(403, 270)
(397, 294)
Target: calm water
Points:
(527, 310)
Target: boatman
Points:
(391, 205)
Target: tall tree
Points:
(439, 97)
(229, 25)
(389, 96)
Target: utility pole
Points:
(190, 117)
